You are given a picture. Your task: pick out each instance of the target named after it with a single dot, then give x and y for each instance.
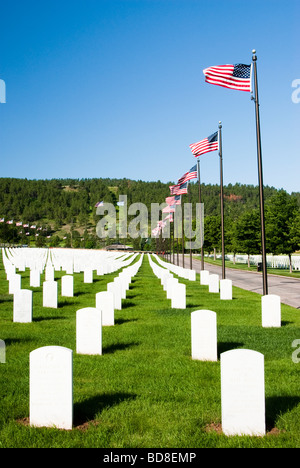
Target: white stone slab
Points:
(204, 335)
(178, 299)
(22, 308)
(105, 303)
(50, 294)
(15, 281)
(49, 273)
(51, 387)
(271, 310)
(88, 275)
(225, 289)
(172, 283)
(67, 286)
(213, 283)
(88, 331)
(115, 288)
(243, 393)
(35, 278)
(204, 275)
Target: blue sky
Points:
(113, 88)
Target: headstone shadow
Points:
(278, 405)
(87, 410)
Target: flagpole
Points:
(190, 224)
(201, 227)
(260, 177)
(173, 244)
(222, 199)
(182, 232)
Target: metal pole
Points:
(173, 243)
(260, 177)
(190, 225)
(222, 199)
(201, 227)
(182, 231)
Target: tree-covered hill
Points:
(64, 209)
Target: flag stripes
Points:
(230, 76)
(210, 143)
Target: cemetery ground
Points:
(145, 390)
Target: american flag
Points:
(230, 76)
(169, 209)
(99, 203)
(191, 174)
(179, 189)
(210, 143)
(170, 200)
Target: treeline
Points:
(65, 212)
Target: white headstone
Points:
(178, 299)
(14, 283)
(192, 275)
(225, 289)
(50, 294)
(88, 331)
(35, 278)
(88, 275)
(271, 310)
(122, 285)
(204, 275)
(213, 283)
(22, 309)
(204, 335)
(172, 284)
(105, 303)
(49, 273)
(51, 387)
(67, 286)
(243, 393)
(115, 288)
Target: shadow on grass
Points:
(120, 321)
(228, 346)
(118, 347)
(276, 406)
(52, 317)
(127, 304)
(87, 410)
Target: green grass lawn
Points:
(145, 391)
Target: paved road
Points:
(287, 288)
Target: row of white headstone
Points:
(175, 291)
(242, 371)
(51, 367)
(22, 305)
(242, 378)
(69, 260)
(270, 303)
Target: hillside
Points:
(64, 213)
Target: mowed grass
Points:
(145, 391)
